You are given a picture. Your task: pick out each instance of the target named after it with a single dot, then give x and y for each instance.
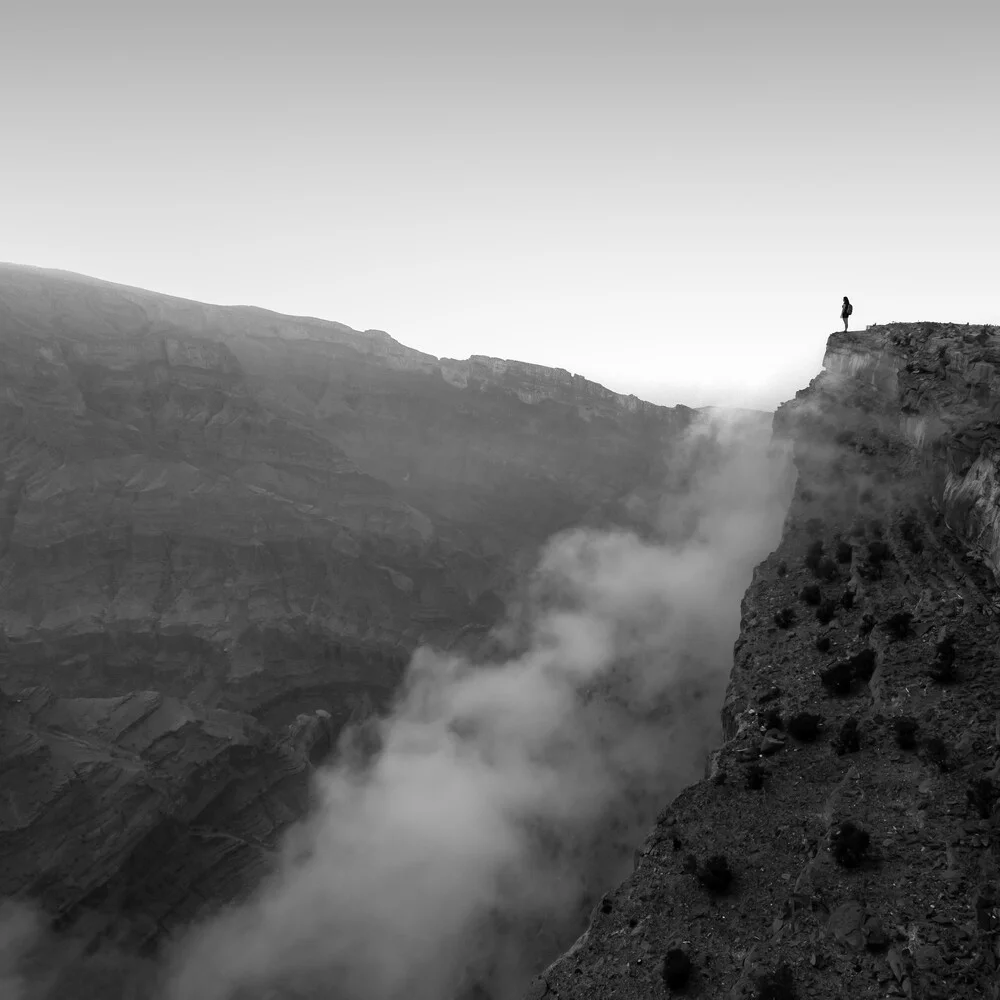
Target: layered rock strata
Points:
(270, 513)
(846, 838)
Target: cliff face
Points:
(222, 533)
(269, 513)
(865, 690)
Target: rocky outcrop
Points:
(846, 838)
(124, 816)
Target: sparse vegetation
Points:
(878, 553)
(843, 552)
(849, 738)
(776, 985)
(838, 678)
(936, 752)
(863, 664)
(944, 670)
(982, 795)
(875, 528)
(784, 618)
(866, 625)
(813, 555)
(782, 568)
(827, 570)
(755, 775)
(814, 526)
(826, 612)
(849, 844)
(906, 728)
(898, 625)
(676, 969)
(771, 719)
(810, 594)
(804, 726)
(911, 531)
(823, 644)
(847, 599)
(715, 875)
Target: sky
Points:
(670, 198)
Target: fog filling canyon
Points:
(455, 843)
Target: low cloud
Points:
(505, 796)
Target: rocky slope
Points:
(222, 533)
(865, 691)
(270, 513)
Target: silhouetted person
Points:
(846, 311)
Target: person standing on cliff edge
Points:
(846, 311)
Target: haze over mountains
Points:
(225, 533)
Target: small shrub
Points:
(847, 600)
(898, 625)
(782, 568)
(982, 795)
(906, 728)
(784, 618)
(849, 844)
(823, 644)
(771, 719)
(875, 528)
(944, 670)
(827, 570)
(849, 738)
(838, 678)
(807, 495)
(825, 612)
(813, 555)
(843, 552)
(755, 775)
(814, 526)
(715, 875)
(863, 664)
(866, 624)
(776, 985)
(911, 532)
(804, 726)
(878, 553)
(676, 969)
(607, 905)
(936, 751)
(810, 594)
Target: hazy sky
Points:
(670, 198)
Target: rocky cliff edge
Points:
(846, 838)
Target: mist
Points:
(503, 797)
(457, 844)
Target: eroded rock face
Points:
(123, 816)
(270, 513)
(856, 795)
(222, 533)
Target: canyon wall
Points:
(854, 799)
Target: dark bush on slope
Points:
(906, 732)
(776, 985)
(826, 612)
(715, 875)
(676, 969)
(784, 618)
(849, 738)
(849, 844)
(838, 678)
(804, 726)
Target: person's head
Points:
(845, 298)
